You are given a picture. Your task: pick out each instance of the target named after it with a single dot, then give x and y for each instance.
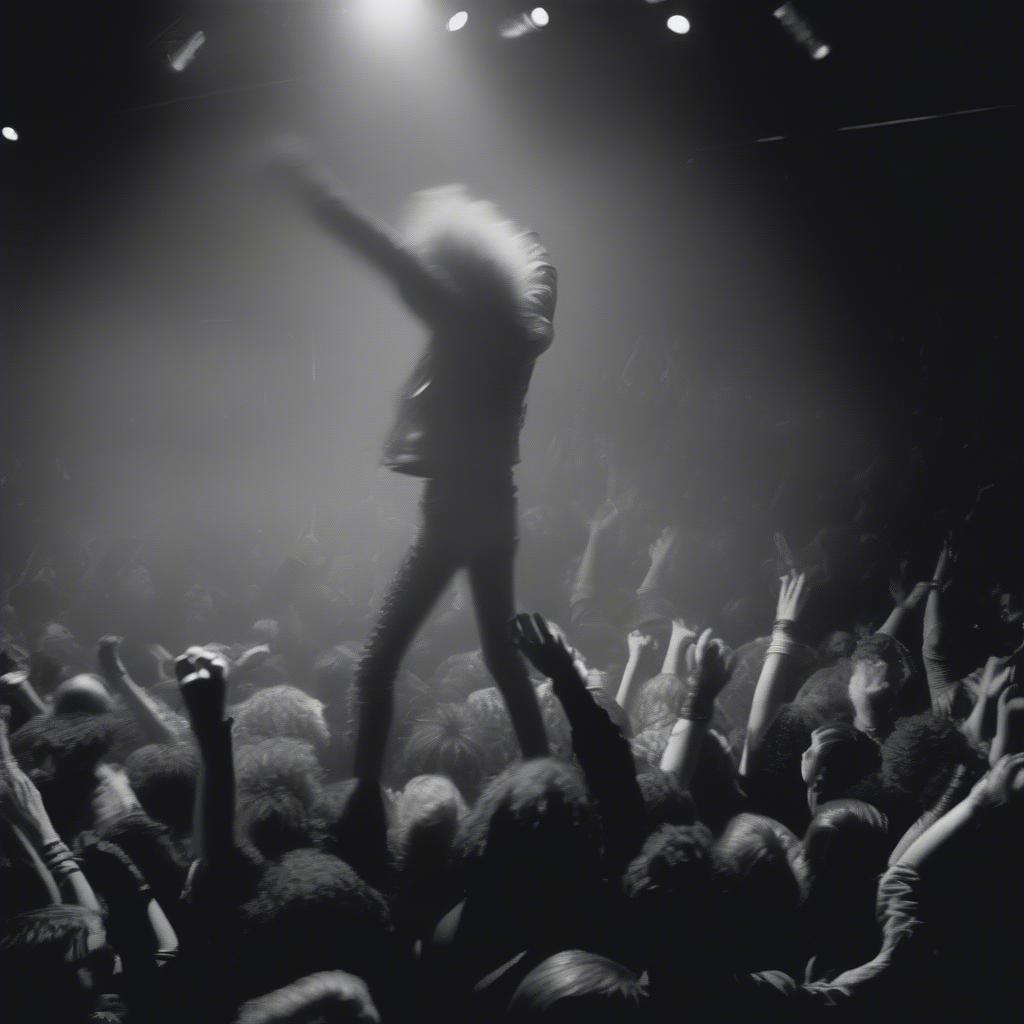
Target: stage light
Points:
(679, 24)
(801, 32)
(9, 134)
(539, 17)
(184, 55)
(457, 20)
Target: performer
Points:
(486, 292)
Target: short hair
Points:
(845, 840)
(84, 694)
(444, 743)
(577, 986)
(757, 864)
(845, 756)
(283, 711)
(312, 912)
(326, 997)
(164, 777)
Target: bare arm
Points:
(636, 643)
(202, 679)
(778, 676)
(426, 294)
(142, 707)
(710, 671)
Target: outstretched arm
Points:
(603, 752)
(116, 676)
(426, 294)
(709, 672)
(775, 684)
(203, 684)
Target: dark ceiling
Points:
(68, 67)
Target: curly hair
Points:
(444, 743)
(282, 711)
(532, 840)
(278, 788)
(658, 702)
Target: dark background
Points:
(761, 335)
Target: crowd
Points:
(822, 821)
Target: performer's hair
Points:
(472, 243)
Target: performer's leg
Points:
(492, 578)
(426, 571)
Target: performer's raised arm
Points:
(424, 290)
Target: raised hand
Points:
(1009, 737)
(113, 798)
(607, 515)
(663, 544)
(710, 668)
(1004, 784)
(20, 801)
(202, 679)
(638, 642)
(908, 601)
(112, 871)
(108, 657)
(549, 653)
(682, 632)
(793, 593)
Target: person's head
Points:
(838, 757)
(278, 788)
(82, 694)
(531, 841)
(777, 785)
(576, 987)
(312, 912)
(459, 675)
(492, 728)
(60, 753)
(327, 997)
(758, 867)
(845, 850)
(164, 778)
(283, 711)
(920, 755)
(485, 256)
(429, 811)
(666, 802)
(333, 673)
(658, 702)
(444, 742)
(881, 669)
(55, 962)
(668, 881)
